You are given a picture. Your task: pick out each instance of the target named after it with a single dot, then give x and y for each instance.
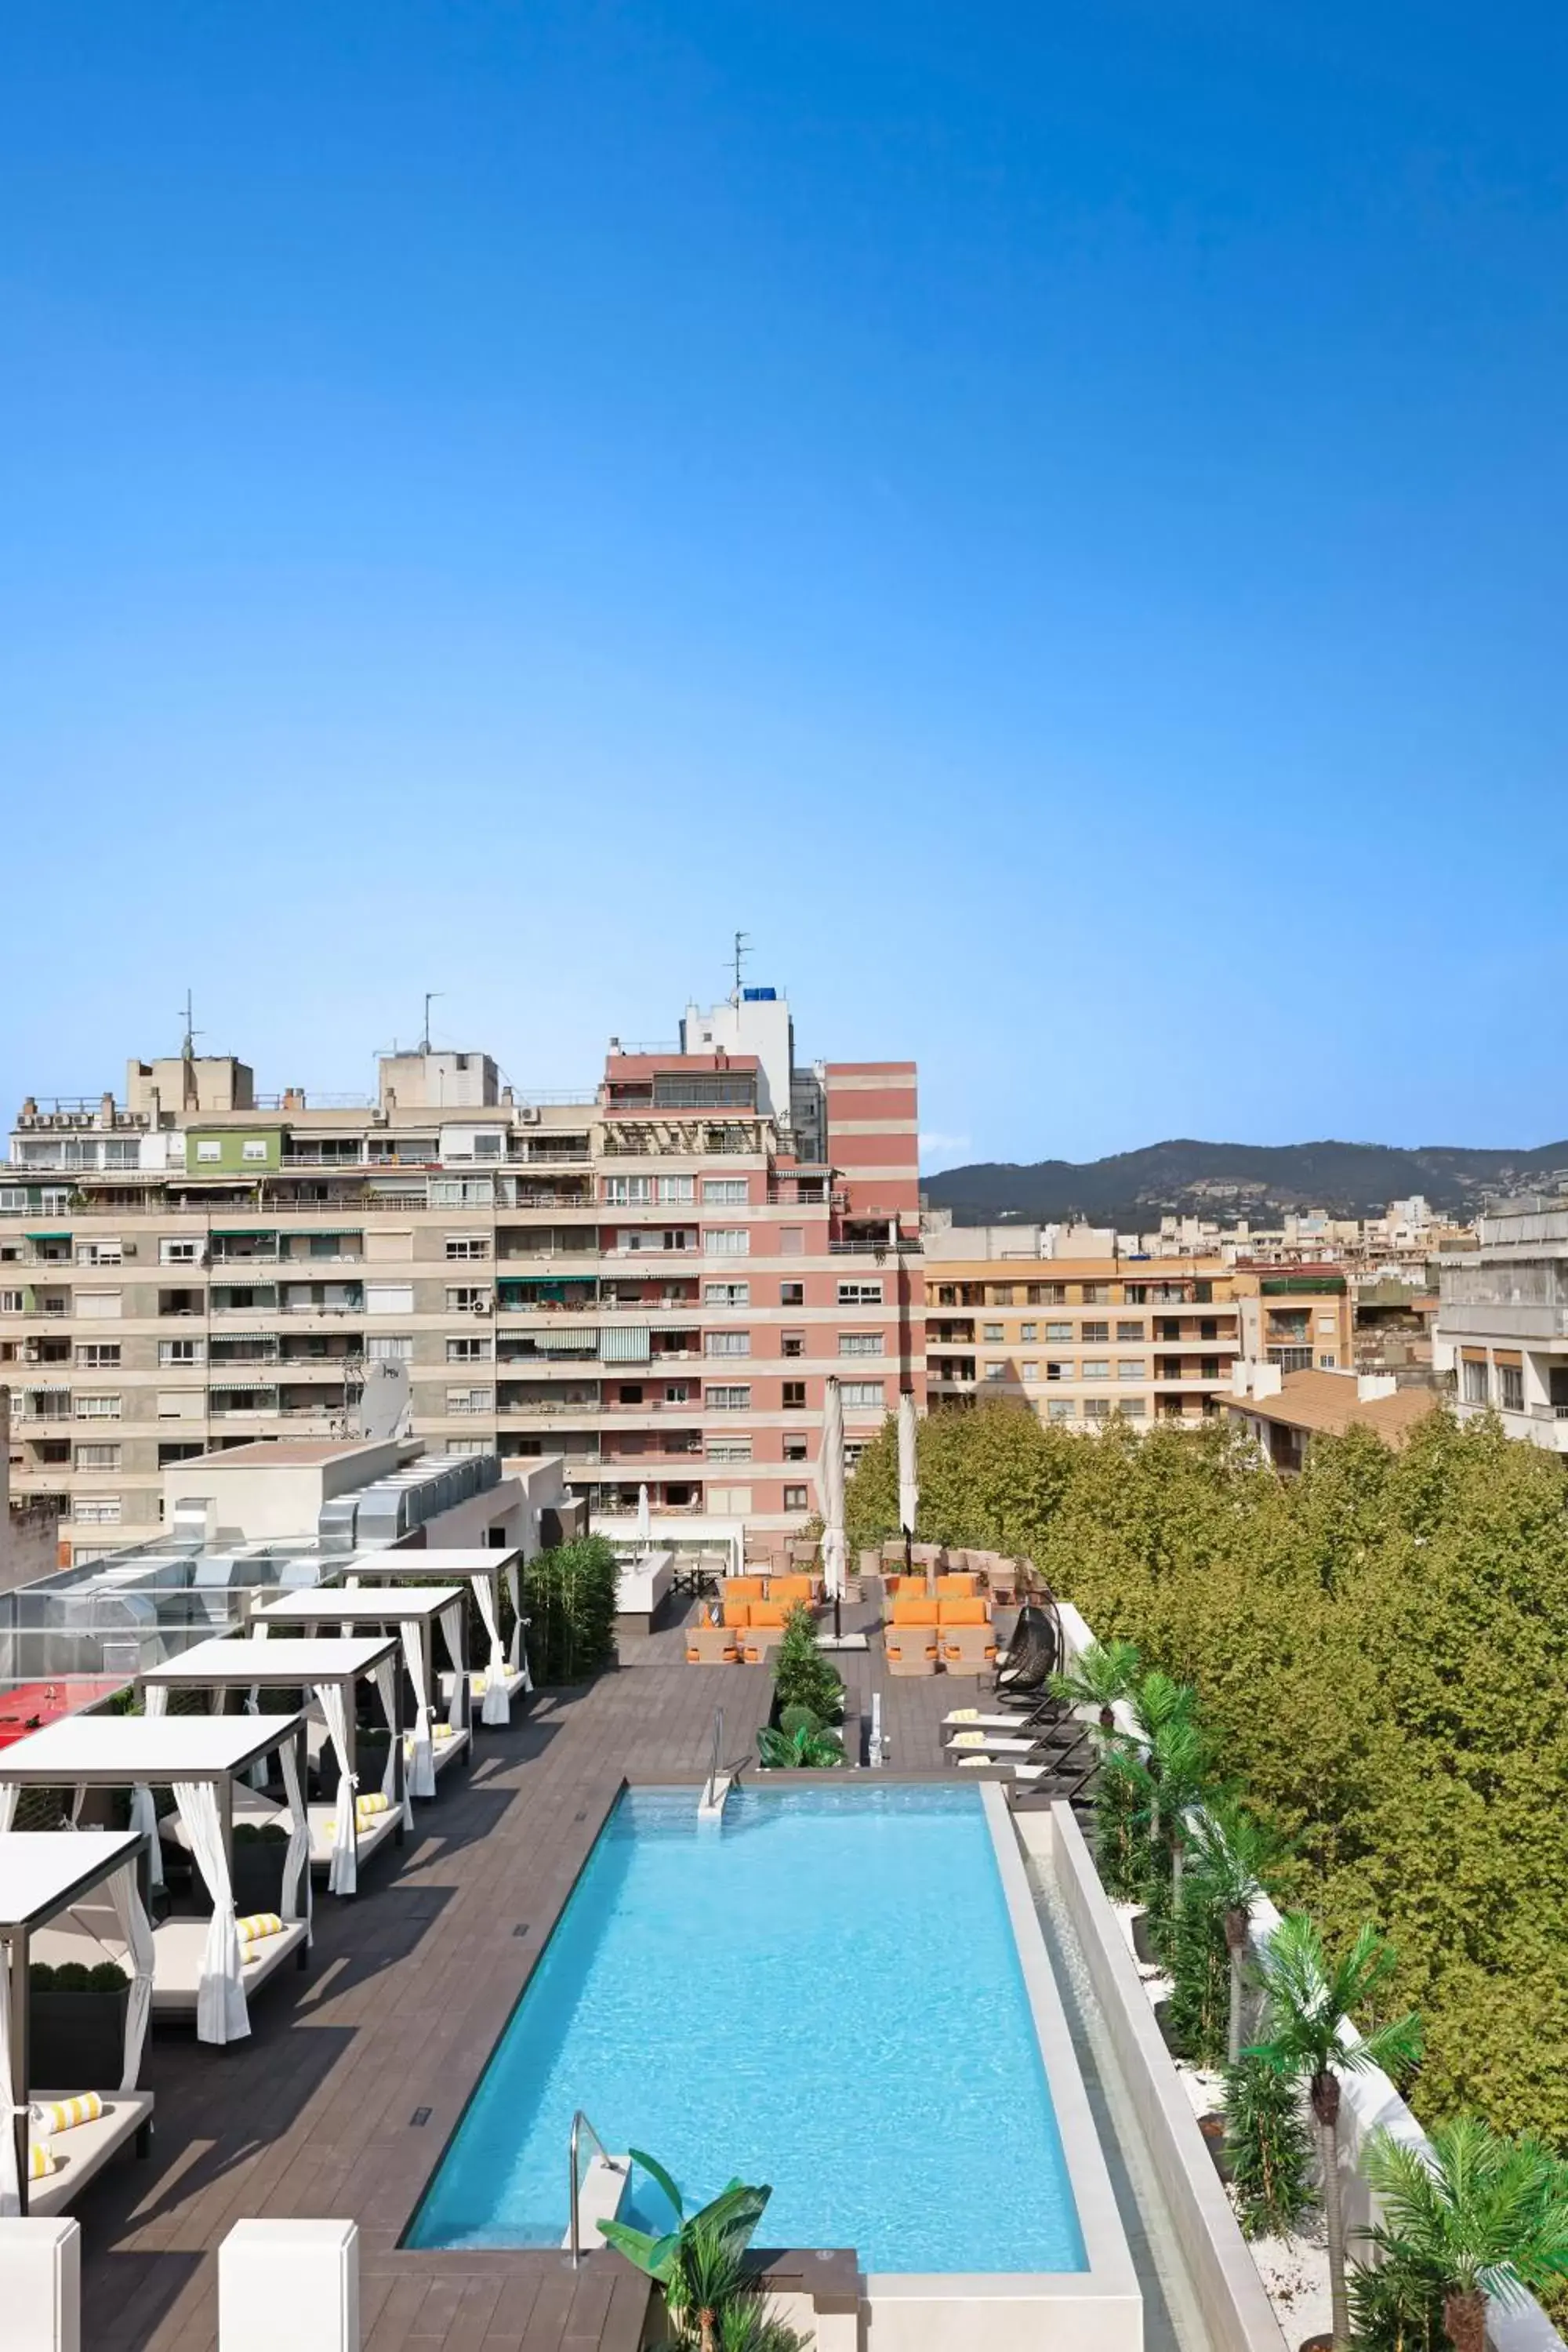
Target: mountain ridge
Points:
(1185, 1176)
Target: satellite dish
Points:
(385, 1408)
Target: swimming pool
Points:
(824, 1993)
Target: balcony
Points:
(1542, 1322)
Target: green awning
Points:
(47, 1237)
(245, 1233)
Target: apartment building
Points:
(1502, 1332)
(653, 1278)
(1082, 1339)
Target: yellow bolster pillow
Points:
(258, 1925)
(969, 1739)
(48, 2116)
(377, 1803)
(964, 1714)
(40, 2160)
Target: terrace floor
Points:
(408, 1989)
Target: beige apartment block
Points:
(653, 1280)
(1082, 1339)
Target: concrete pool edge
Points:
(1097, 2309)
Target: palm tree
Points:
(1100, 1675)
(1310, 2003)
(1178, 1764)
(1230, 1853)
(1479, 2215)
(700, 2263)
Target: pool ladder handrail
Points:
(579, 2124)
(710, 1793)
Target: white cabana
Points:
(344, 1834)
(200, 1968)
(498, 1682)
(412, 1611)
(42, 1874)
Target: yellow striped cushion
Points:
(964, 1714)
(48, 2116)
(375, 1803)
(479, 1684)
(968, 1739)
(259, 1924)
(40, 2160)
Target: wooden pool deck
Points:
(341, 2100)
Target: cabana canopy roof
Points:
(211, 1664)
(44, 1871)
(114, 1750)
(429, 1563)
(388, 1604)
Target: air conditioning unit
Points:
(129, 1250)
(481, 1307)
(527, 1114)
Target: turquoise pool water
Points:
(824, 1993)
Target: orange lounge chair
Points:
(743, 1588)
(911, 1641)
(964, 1636)
(792, 1592)
(955, 1586)
(763, 1631)
(709, 1643)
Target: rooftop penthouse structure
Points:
(652, 1277)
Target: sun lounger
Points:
(373, 1832)
(84, 2150)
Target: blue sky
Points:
(1052, 518)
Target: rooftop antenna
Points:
(743, 950)
(188, 1054)
(430, 996)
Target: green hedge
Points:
(569, 1599)
(1381, 1649)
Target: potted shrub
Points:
(802, 1676)
(1268, 2148)
(260, 1848)
(800, 1741)
(76, 2031)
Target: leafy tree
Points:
(1310, 2000)
(1099, 1677)
(803, 1676)
(701, 2262)
(1486, 2216)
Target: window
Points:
(209, 1151)
(1058, 1330)
(860, 1293)
(98, 1355)
(675, 1190)
(792, 1294)
(725, 1191)
(729, 1449)
(991, 1333)
(1093, 1333)
(727, 1240)
(1027, 1331)
(465, 1445)
(1208, 1366)
(389, 1299)
(862, 1396)
(178, 1252)
(471, 1400)
(1048, 1294)
(467, 1302)
(181, 1351)
(1130, 1331)
(467, 1245)
(105, 1305)
(859, 1343)
(727, 1294)
(630, 1392)
(1095, 1368)
(1058, 1372)
(1061, 1409)
(1131, 1368)
(1031, 1372)
(637, 1238)
(98, 1408)
(389, 1349)
(1327, 1326)
(1002, 1294)
(97, 1457)
(794, 1498)
(729, 1399)
(796, 1446)
(1475, 1383)
(628, 1192)
(793, 1397)
(462, 1192)
(676, 1391)
(727, 1343)
(1325, 1364)
(179, 1449)
(97, 1510)
(1096, 1408)
(792, 1241)
(1511, 1387)
(996, 1371)
(11, 1302)
(254, 1148)
(1096, 1294)
(112, 1254)
(1291, 1359)
(1133, 1408)
(181, 1404)
(468, 1352)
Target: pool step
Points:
(599, 2199)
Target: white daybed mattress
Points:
(86, 2148)
(373, 1833)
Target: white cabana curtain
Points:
(387, 1692)
(452, 1635)
(10, 2183)
(517, 1656)
(297, 1860)
(221, 2012)
(496, 1707)
(421, 1774)
(830, 1489)
(143, 1813)
(138, 1937)
(9, 1792)
(343, 1876)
